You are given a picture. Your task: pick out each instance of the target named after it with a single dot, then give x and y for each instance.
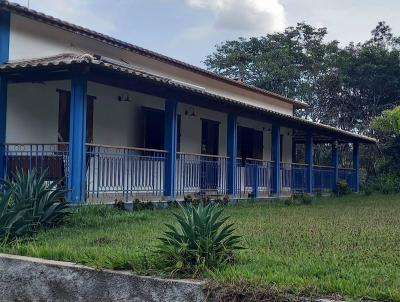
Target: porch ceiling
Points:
(117, 73)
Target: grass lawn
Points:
(349, 245)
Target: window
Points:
(249, 143)
(153, 137)
(64, 117)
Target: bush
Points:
(202, 240)
(342, 188)
(28, 203)
(142, 205)
(385, 184)
(299, 199)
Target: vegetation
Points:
(28, 203)
(302, 63)
(346, 245)
(387, 127)
(201, 241)
(342, 188)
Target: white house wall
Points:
(32, 112)
(32, 117)
(31, 39)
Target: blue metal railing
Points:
(253, 177)
(323, 178)
(348, 174)
(201, 174)
(23, 157)
(124, 172)
(299, 178)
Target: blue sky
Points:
(189, 29)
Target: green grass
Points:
(349, 245)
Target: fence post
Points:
(170, 141)
(232, 153)
(276, 157)
(309, 161)
(335, 165)
(356, 166)
(77, 140)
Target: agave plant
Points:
(29, 202)
(202, 240)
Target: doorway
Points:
(209, 146)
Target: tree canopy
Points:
(345, 86)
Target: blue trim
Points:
(232, 153)
(4, 36)
(3, 123)
(335, 165)
(4, 57)
(276, 158)
(170, 142)
(77, 140)
(309, 161)
(356, 166)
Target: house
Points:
(114, 120)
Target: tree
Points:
(300, 63)
(387, 127)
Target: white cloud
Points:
(256, 17)
(79, 12)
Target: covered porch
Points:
(111, 131)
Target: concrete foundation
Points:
(31, 279)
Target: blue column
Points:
(356, 166)
(170, 141)
(77, 140)
(232, 153)
(335, 165)
(3, 122)
(4, 36)
(309, 161)
(276, 158)
(4, 57)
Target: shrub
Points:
(28, 203)
(386, 184)
(342, 188)
(119, 205)
(142, 205)
(298, 199)
(202, 240)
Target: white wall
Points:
(32, 39)
(191, 128)
(32, 117)
(32, 112)
(119, 123)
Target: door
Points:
(154, 124)
(209, 146)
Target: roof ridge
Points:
(27, 12)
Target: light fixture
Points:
(124, 97)
(190, 112)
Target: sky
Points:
(188, 30)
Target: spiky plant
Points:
(29, 202)
(202, 240)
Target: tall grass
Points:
(349, 245)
